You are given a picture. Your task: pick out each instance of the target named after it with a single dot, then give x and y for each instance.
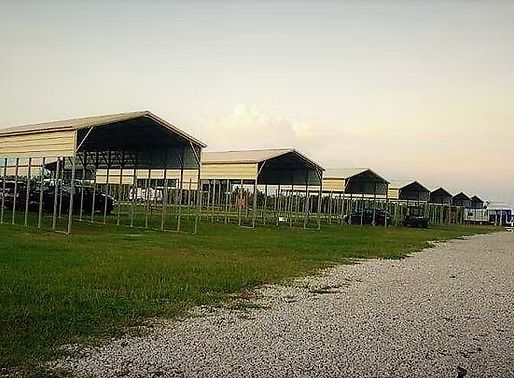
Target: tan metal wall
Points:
(35, 167)
(394, 193)
(49, 144)
(246, 171)
(190, 175)
(335, 184)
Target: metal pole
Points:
(118, 213)
(108, 187)
(27, 193)
(320, 193)
(329, 205)
(387, 208)
(164, 194)
(226, 200)
(342, 207)
(296, 206)
(56, 193)
(350, 209)
(13, 220)
(254, 215)
(147, 193)
(213, 202)
(198, 197)
(93, 201)
(41, 189)
(291, 207)
(72, 192)
(3, 191)
(362, 210)
(306, 205)
(275, 203)
(374, 203)
(189, 188)
(240, 203)
(134, 191)
(279, 206)
(208, 204)
(82, 186)
(265, 205)
(181, 186)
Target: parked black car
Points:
(415, 218)
(367, 217)
(48, 198)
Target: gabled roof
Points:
(400, 184)
(462, 195)
(476, 198)
(96, 121)
(441, 189)
(347, 173)
(251, 156)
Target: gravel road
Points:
(447, 308)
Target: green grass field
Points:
(56, 289)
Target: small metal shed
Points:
(79, 147)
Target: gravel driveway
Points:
(445, 309)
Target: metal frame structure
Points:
(270, 186)
(349, 189)
(442, 199)
(67, 154)
(403, 194)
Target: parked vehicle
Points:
(49, 195)
(366, 216)
(415, 217)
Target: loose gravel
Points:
(445, 312)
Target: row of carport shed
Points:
(152, 169)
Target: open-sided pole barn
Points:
(403, 194)
(354, 188)
(274, 171)
(441, 198)
(461, 201)
(68, 153)
(477, 202)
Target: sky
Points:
(412, 89)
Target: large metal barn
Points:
(49, 172)
(277, 186)
(352, 193)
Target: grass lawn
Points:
(56, 289)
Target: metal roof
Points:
(476, 198)
(462, 195)
(400, 184)
(251, 156)
(346, 173)
(96, 121)
(440, 188)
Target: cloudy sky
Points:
(413, 89)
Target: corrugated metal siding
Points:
(229, 171)
(23, 164)
(394, 193)
(190, 175)
(335, 184)
(50, 144)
